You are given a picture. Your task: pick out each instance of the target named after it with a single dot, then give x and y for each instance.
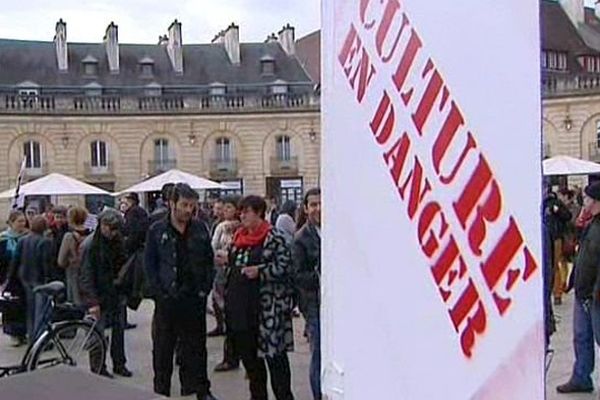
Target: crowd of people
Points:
(257, 262)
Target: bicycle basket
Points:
(67, 312)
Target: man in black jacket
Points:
(102, 257)
(586, 312)
(179, 267)
(135, 230)
(307, 262)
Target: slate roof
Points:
(22, 60)
(308, 50)
(559, 34)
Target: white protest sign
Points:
(432, 283)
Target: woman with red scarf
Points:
(258, 301)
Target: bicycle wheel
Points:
(75, 343)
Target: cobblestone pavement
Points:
(225, 385)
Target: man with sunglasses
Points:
(179, 267)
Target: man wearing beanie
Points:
(102, 257)
(586, 312)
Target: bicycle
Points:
(74, 342)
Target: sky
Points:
(142, 21)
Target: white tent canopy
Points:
(173, 176)
(54, 185)
(565, 165)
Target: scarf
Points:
(11, 238)
(243, 238)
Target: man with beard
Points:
(179, 267)
(306, 253)
(102, 258)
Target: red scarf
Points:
(243, 238)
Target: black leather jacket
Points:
(170, 278)
(587, 261)
(306, 254)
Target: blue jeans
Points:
(38, 313)
(314, 334)
(586, 326)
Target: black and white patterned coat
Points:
(276, 333)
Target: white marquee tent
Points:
(173, 176)
(54, 185)
(565, 165)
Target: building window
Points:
(284, 149)
(554, 60)
(161, 152)
(32, 154)
(98, 154)
(223, 149)
(598, 133)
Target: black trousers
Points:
(183, 322)
(246, 345)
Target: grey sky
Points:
(142, 21)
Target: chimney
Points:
(271, 38)
(575, 10)
(231, 40)
(597, 9)
(111, 43)
(287, 39)
(219, 38)
(174, 47)
(60, 42)
(163, 40)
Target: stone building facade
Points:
(245, 114)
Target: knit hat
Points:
(593, 191)
(110, 217)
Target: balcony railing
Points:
(284, 166)
(29, 102)
(159, 166)
(179, 100)
(556, 85)
(97, 103)
(98, 171)
(223, 168)
(161, 103)
(220, 102)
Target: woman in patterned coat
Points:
(258, 301)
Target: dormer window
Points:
(153, 90)
(590, 63)
(554, 60)
(90, 66)
(146, 67)
(279, 87)
(267, 65)
(93, 89)
(218, 89)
